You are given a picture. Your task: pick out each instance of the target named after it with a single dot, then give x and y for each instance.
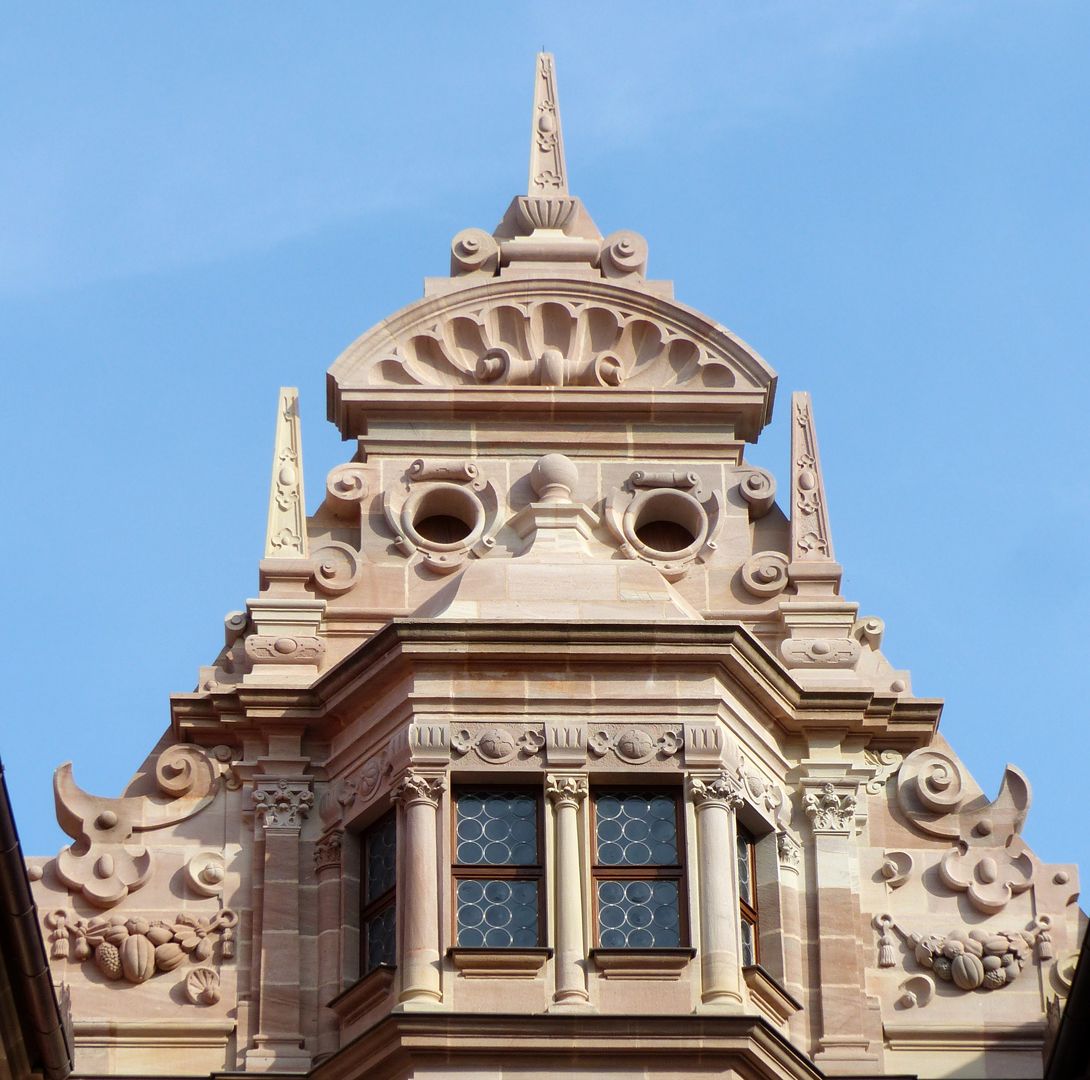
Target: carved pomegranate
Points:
(137, 958)
(967, 971)
(108, 960)
(169, 956)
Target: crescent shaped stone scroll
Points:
(104, 864)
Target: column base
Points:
(279, 1054)
(573, 1005)
(723, 1003)
(846, 1056)
(419, 1004)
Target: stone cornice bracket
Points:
(104, 864)
(831, 807)
(282, 804)
(813, 569)
(416, 787)
(715, 789)
(286, 531)
(566, 790)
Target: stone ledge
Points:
(641, 963)
(365, 994)
(499, 963)
(769, 996)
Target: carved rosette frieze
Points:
(636, 746)
(134, 949)
(284, 648)
(831, 810)
(722, 790)
(498, 746)
(327, 851)
(282, 804)
(566, 790)
(415, 787)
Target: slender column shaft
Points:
(419, 903)
(567, 792)
(791, 929)
(327, 864)
(715, 799)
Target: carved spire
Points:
(811, 540)
(548, 173)
(286, 532)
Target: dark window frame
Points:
(492, 872)
(675, 872)
(747, 910)
(370, 910)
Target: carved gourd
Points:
(967, 971)
(137, 958)
(168, 956)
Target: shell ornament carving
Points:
(558, 342)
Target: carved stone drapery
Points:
(567, 793)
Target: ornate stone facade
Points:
(550, 741)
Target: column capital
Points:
(327, 851)
(789, 851)
(417, 787)
(831, 807)
(715, 789)
(282, 804)
(566, 790)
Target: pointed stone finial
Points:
(548, 174)
(810, 537)
(286, 532)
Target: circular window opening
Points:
(669, 522)
(443, 517)
(665, 536)
(443, 529)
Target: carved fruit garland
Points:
(134, 949)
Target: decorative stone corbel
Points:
(282, 804)
(105, 864)
(831, 808)
(565, 742)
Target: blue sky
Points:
(201, 203)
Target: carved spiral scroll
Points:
(931, 790)
(765, 574)
(336, 567)
(758, 488)
(185, 770)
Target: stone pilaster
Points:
(716, 796)
(281, 807)
(790, 860)
(419, 795)
(844, 1048)
(327, 868)
(567, 793)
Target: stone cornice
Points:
(585, 1040)
(401, 645)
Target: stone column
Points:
(281, 806)
(844, 1048)
(716, 796)
(327, 867)
(566, 793)
(790, 858)
(418, 900)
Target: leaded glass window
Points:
(379, 872)
(747, 897)
(638, 870)
(498, 869)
